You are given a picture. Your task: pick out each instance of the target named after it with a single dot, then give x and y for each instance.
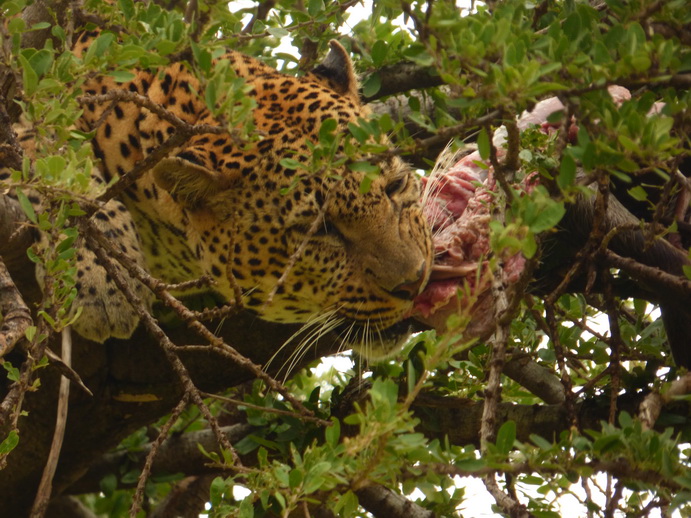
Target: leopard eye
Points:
(396, 186)
(327, 228)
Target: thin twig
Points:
(183, 132)
(277, 411)
(45, 487)
(492, 393)
(318, 221)
(615, 346)
(155, 445)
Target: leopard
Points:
(298, 246)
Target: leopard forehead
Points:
(297, 243)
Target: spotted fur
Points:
(232, 211)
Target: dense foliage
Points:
(435, 72)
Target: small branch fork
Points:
(146, 470)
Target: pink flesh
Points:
(457, 207)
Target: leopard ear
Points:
(188, 183)
(337, 72)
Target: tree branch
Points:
(404, 77)
(179, 453)
(384, 503)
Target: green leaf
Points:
(12, 372)
(606, 443)
(483, 144)
(333, 433)
(366, 184)
(210, 455)
(326, 132)
(66, 243)
(99, 46)
(555, 117)
(16, 25)
(378, 53)
(470, 464)
(372, 85)
(130, 477)
(29, 76)
(48, 318)
(567, 172)
(638, 193)
(30, 333)
(277, 32)
(41, 61)
(411, 376)
(202, 57)
(528, 246)
(26, 206)
(360, 134)
(217, 489)
(127, 8)
(10, 442)
(289, 163)
(109, 484)
(548, 217)
(625, 419)
(364, 167)
(40, 25)
(122, 76)
(211, 95)
(347, 504)
(295, 478)
(541, 442)
(506, 436)
(314, 7)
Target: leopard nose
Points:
(410, 289)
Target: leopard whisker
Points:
(445, 160)
(301, 350)
(313, 321)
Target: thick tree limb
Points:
(179, 453)
(459, 419)
(404, 77)
(537, 379)
(650, 275)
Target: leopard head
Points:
(305, 246)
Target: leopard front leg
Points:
(105, 310)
